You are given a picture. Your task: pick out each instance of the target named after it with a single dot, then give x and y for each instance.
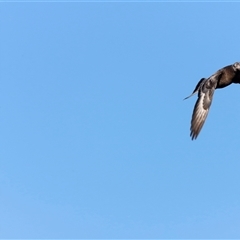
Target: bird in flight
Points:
(205, 89)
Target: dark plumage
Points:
(205, 88)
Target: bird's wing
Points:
(196, 88)
(202, 106)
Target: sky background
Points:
(94, 132)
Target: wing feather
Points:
(198, 118)
(202, 106)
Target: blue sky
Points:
(94, 130)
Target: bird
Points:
(205, 89)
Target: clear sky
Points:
(94, 132)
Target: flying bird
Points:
(205, 89)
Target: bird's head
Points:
(236, 66)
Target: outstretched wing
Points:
(202, 106)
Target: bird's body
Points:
(205, 88)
